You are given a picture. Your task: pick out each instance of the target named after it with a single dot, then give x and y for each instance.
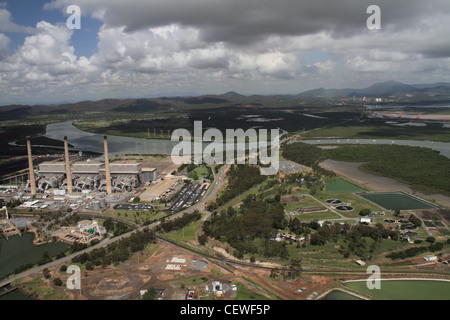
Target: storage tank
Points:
(96, 205)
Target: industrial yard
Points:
(179, 274)
(98, 188)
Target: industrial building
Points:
(84, 232)
(119, 176)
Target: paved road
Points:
(219, 179)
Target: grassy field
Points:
(342, 186)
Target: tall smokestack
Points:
(31, 169)
(68, 173)
(108, 173)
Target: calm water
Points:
(406, 290)
(93, 142)
(16, 295)
(20, 250)
(117, 145)
(339, 295)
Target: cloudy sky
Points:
(150, 48)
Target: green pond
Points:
(397, 201)
(339, 295)
(406, 290)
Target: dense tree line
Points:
(117, 228)
(178, 223)
(303, 153)
(411, 252)
(356, 237)
(116, 252)
(240, 179)
(250, 230)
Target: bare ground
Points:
(125, 282)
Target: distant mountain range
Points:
(383, 89)
(397, 91)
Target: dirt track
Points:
(125, 282)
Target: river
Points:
(117, 145)
(86, 141)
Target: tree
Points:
(136, 200)
(46, 273)
(57, 282)
(364, 212)
(430, 239)
(151, 294)
(415, 221)
(202, 239)
(295, 268)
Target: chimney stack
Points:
(108, 173)
(31, 169)
(68, 173)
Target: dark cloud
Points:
(238, 21)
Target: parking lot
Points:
(189, 195)
(133, 206)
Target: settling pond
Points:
(397, 290)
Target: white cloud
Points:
(6, 25)
(220, 45)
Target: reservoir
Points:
(20, 250)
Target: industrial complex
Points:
(68, 177)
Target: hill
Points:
(383, 89)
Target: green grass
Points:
(243, 293)
(39, 288)
(341, 186)
(184, 234)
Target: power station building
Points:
(111, 177)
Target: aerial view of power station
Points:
(227, 156)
